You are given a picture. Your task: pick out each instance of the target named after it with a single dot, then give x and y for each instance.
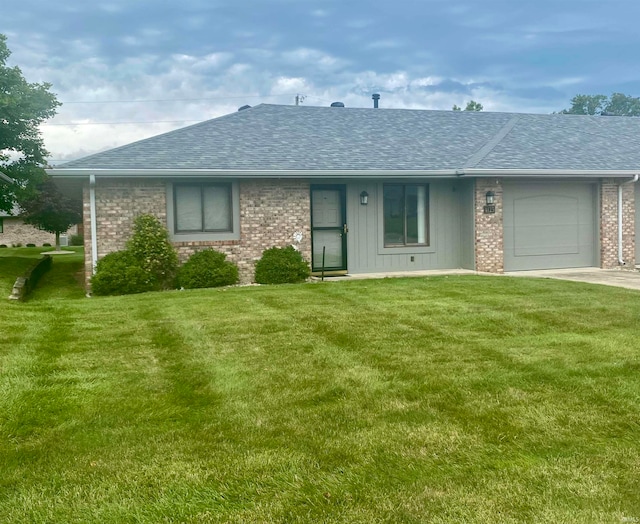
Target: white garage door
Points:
(549, 226)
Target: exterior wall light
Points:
(364, 198)
(490, 206)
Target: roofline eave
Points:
(75, 173)
(549, 173)
(252, 173)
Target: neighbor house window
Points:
(406, 215)
(202, 208)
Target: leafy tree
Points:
(617, 104)
(50, 210)
(23, 107)
(472, 105)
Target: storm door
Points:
(328, 228)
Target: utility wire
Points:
(137, 101)
(124, 123)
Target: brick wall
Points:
(15, 231)
(489, 239)
(271, 212)
(118, 203)
(609, 224)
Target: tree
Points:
(50, 210)
(23, 107)
(615, 105)
(472, 105)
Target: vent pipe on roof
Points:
(375, 97)
(337, 104)
(244, 107)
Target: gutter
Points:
(620, 246)
(94, 227)
(70, 173)
(548, 173)
(5, 178)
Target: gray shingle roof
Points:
(273, 137)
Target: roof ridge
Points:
(479, 155)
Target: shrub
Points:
(207, 269)
(46, 244)
(17, 244)
(119, 273)
(151, 247)
(76, 240)
(31, 245)
(3, 245)
(281, 266)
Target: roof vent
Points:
(337, 104)
(244, 107)
(375, 97)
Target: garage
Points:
(549, 225)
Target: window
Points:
(406, 215)
(202, 208)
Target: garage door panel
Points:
(549, 226)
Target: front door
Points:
(328, 228)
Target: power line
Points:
(142, 100)
(124, 123)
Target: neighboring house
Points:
(14, 232)
(376, 190)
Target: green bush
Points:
(207, 269)
(281, 266)
(31, 245)
(151, 247)
(46, 244)
(3, 245)
(76, 240)
(119, 273)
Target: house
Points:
(362, 190)
(15, 232)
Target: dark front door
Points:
(328, 228)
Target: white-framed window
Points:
(406, 215)
(203, 211)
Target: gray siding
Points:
(451, 230)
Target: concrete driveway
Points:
(591, 275)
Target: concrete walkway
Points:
(591, 275)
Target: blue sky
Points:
(129, 69)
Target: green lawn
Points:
(60, 282)
(443, 399)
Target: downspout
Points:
(620, 246)
(94, 228)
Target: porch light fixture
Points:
(490, 206)
(364, 198)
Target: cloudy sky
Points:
(129, 69)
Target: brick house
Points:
(15, 232)
(376, 190)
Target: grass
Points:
(60, 282)
(443, 399)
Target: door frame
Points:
(342, 189)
